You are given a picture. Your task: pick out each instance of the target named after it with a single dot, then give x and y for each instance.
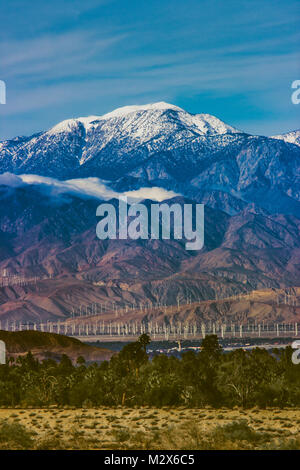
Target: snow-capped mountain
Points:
(250, 186)
(147, 121)
(124, 137)
(162, 145)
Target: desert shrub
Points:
(49, 443)
(237, 431)
(14, 436)
(286, 444)
(120, 435)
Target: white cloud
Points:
(84, 187)
(155, 194)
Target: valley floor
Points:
(149, 428)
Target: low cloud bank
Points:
(83, 187)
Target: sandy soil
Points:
(109, 427)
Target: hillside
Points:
(263, 306)
(50, 345)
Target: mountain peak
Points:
(123, 111)
(203, 124)
(69, 124)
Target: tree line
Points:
(209, 377)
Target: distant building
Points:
(2, 352)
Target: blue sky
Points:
(232, 59)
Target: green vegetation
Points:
(14, 436)
(211, 377)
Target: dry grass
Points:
(150, 428)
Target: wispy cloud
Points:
(51, 56)
(83, 187)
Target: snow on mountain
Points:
(203, 124)
(290, 137)
(110, 143)
(69, 125)
(125, 110)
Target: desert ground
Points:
(149, 428)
